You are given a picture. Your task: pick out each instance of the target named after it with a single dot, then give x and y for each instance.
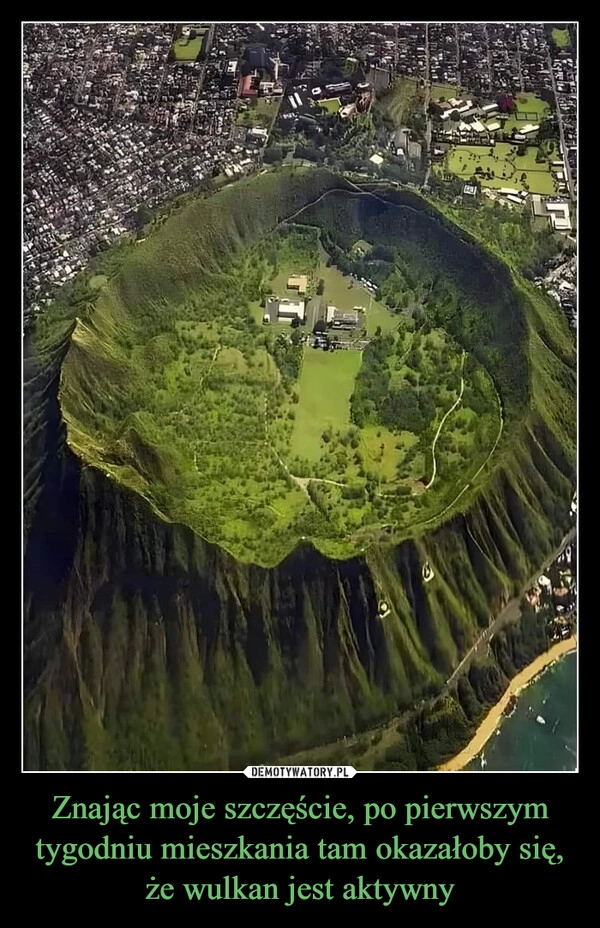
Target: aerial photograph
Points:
(299, 312)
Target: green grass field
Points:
(187, 49)
(403, 97)
(325, 386)
(530, 103)
(332, 106)
(561, 37)
(380, 451)
(529, 109)
(447, 91)
(506, 165)
(258, 114)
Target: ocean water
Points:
(525, 744)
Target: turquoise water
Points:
(523, 743)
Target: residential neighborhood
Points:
(555, 594)
(121, 118)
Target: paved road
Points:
(207, 44)
(510, 612)
(428, 120)
(562, 133)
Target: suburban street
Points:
(561, 130)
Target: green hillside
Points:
(192, 601)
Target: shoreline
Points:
(492, 720)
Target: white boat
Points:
(541, 720)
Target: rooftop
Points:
(298, 282)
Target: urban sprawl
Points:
(121, 118)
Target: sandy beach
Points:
(494, 716)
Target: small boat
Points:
(540, 719)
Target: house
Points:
(298, 282)
(470, 194)
(257, 133)
(287, 310)
(345, 320)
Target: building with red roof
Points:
(246, 86)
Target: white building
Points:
(290, 309)
(559, 216)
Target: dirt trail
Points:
(452, 408)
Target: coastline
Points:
(518, 683)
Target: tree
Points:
(273, 154)
(320, 286)
(296, 336)
(142, 216)
(506, 103)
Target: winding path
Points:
(452, 408)
(476, 475)
(387, 202)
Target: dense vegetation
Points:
(183, 373)
(147, 646)
(427, 736)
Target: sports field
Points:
(445, 91)
(187, 49)
(325, 386)
(502, 168)
(561, 37)
(332, 106)
(528, 109)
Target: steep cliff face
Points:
(147, 647)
